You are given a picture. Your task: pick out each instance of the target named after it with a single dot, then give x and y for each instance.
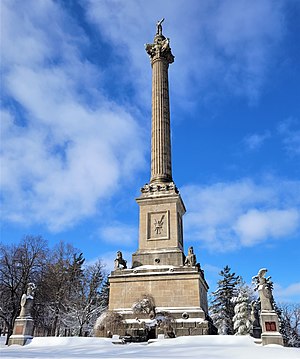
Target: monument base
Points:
(179, 292)
(23, 330)
(270, 328)
(185, 322)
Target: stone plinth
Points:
(23, 330)
(179, 291)
(270, 328)
(170, 286)
(160, 231)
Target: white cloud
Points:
(285, 294)
(211, 268)
(225, 216)
(119, 233)
(257, 225)
(70, 148)
(289, 130)
(216, 45)
(255, 141)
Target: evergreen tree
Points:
(247, 291)
(104, 293)
(222, 306)
(241, 319)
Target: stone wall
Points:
(168, 288)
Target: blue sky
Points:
(75, 127)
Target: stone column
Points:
(161, 170)
(161, 56)
(161, 206)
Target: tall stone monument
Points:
(23, 326)
(160, 270)
(268, 317)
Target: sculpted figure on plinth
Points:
(120, 262)
(264, 288)
(268, 317)
(190, 259)
(24, 324)
(161, 46)
(27, 301)
(254, 317)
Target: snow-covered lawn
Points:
(206, 347)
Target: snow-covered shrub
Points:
(241, 321)
(108, 324)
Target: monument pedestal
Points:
(23, 331)
(270, 328)
(178, 291)
(160, 232)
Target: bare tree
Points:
(290, 324)
(69, 297)
(87, 302)
(19, 265)
(60, 281)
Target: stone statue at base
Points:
(256, 328)
(23, 326)
(268, 317)
(27, 301)
(120, 263)
(264, 287)
(190, 259)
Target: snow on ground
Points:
(208, 347)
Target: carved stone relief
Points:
(158, 225)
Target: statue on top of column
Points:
(161, 46)
(159, 26)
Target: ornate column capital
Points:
(160, 49)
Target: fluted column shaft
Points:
(161, 167)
